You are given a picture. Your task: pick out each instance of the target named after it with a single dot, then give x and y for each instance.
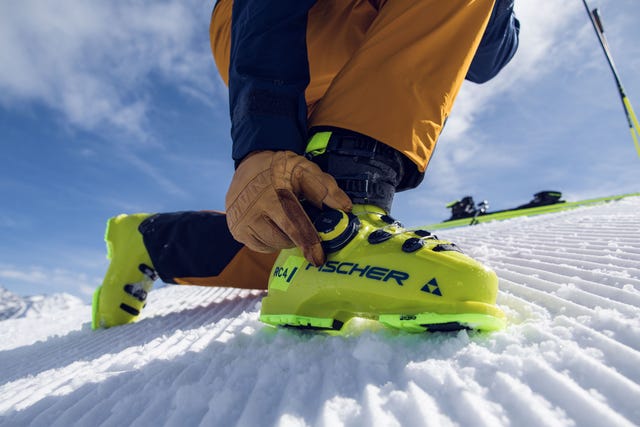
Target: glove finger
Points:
(337, 198)
(253, 243)
(250, 238)
(270, 236)
(270, 233)
(261, 234)
(297, 225)
(321, 188)
(256, 245)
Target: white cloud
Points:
(48, 278)
(91, 61)
(544, 46)
(553, 34)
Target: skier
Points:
(335, 106)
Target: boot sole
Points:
(302, 322)
(423, 322)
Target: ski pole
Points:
(632, 120)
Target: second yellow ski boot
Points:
(130, 275)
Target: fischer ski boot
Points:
(375, 269)
(130, 275)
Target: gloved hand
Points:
(263, 208)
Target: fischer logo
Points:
(369, 271)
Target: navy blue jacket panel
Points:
(268, 75)
(499, 43)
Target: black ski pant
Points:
(196, 248)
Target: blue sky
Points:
(111, 107)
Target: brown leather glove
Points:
(263, 210)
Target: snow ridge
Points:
(11, 305)
(570, 285)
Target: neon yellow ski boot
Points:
(375, 269)
(130, 275)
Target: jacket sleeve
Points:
(499, 43)
(268, 75)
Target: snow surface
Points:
(570, 285)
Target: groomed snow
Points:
(570, 285)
